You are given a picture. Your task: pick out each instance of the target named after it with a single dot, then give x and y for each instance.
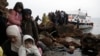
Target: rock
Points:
(3, 9)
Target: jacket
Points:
(23, 51)
(29, 27)
(14, 18)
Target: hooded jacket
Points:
(45, 20)
(23, 51)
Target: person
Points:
(1, 52)
(15, 15)
(12, 45)
(52, 16)
(28, 25)
(3, 26)
(66, 18)
(28, 47)
(37, 18)
(19, 7)
(13, 18)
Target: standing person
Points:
(12, 45)
(15, 15)
(66, 19)
(78, 23)
(28, 25)
(28, 48)
(36, 20)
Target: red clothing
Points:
(14, 18)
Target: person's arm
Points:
(22, 51)
(35, 30)
(36, 52)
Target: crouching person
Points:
(28, 48)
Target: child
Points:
(28, 48)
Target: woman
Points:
(15, 15)
(11, 46)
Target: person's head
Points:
(27, 13)
(28, 41)
(18, 7)
(13, 33)
(12, 12)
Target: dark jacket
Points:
(3, 27)
(29, 27)
(7, 49)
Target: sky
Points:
(39, 7)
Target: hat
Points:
(27, 11)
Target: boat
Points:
(80, 19)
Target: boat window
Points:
(82, 17)
(74, 15)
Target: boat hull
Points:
(83, 25)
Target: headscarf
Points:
(18, 5)
(15, 31)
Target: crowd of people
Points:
(21, 35)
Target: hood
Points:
(45, 19)
(31, 50)
(27, 11)
(25, 37)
